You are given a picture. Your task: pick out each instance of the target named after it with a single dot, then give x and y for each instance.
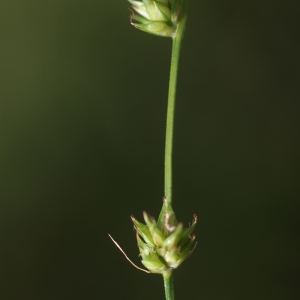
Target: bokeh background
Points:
(82, 121)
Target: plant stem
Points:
(176, 43)
(171, 105)
(169, 285)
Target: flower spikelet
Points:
(158, 17)
(164, 244)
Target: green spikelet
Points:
(164, 244)
(159, 17)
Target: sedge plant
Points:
(164, 244)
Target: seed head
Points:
(164, 244)
(158, 17)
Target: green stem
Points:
(168, 277)
(169, 285)
(171, 105)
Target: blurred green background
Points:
(82, 121)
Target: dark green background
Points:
(82, 120)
